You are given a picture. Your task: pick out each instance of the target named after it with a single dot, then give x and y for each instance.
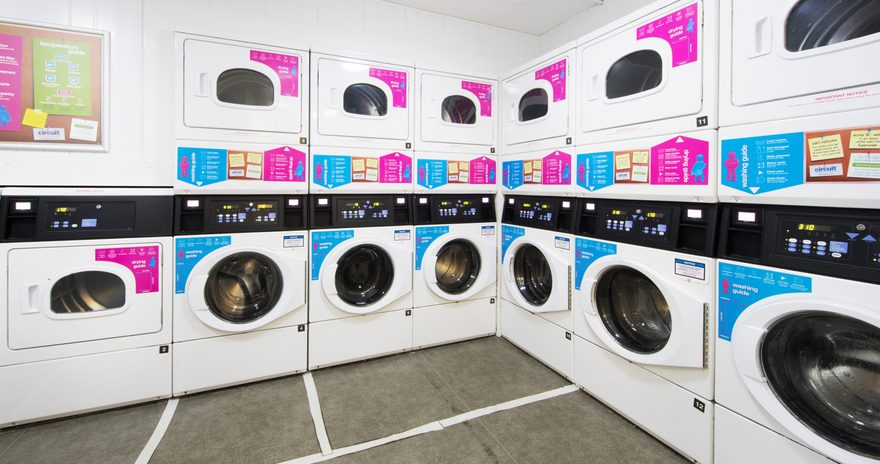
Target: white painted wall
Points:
(587, 22)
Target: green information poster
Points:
(62, 77)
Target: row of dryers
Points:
(116, 296)
(767, 353)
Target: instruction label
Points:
(435, 173)
(334, 171)
(595, 171)
(396, 80)
(553, 169)
(285, 66)
(483, 92)
(142, 261)
(322, 243)
(425, 236)
(763, 164)
(555, 74)
(10, 82)
(62, 77)
(587, 251)
(690, 269)
(679, 30)
(189, 251)
(508, 235)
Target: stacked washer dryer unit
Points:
(240, 213)
(454, 276)
(538, 213)
(799, 332)
(645, 165)
(86, 318)
(361, 245)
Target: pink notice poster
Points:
(680, 161)
(555, 75)
(10, 82)
(396, 80)
(284, 164)
(286, 66)
(556, 169)
(483, 92)
(482, 171)
(395, 168)
(142, 261)
(679, 30)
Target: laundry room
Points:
(410, 231)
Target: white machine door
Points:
(536, 277)
(789, 48)
(244, 288)
(814, 365)
(533, 109)
(364, 276)
(457, 267)
(63, 295)
(241, 88)
(642, 316)
(456, 111)
(630, 80)
(359, 100)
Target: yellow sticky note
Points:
(825, 147)
(536, 164)
(864, 139)
(357, 165)
(372, 163)
(621, 161)
(34, 118)
(255, 158)
(463, 166)
(640, 157)
(236, 160)
(453, 168)
(527, 168)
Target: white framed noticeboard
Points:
(53, 87)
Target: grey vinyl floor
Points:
(270, 422)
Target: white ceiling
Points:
(530, 16)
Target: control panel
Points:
(196, 214)
(549, 213)
(454, 208)
(245, 212)
(645, 222)
(538, 211)
(73, 215)
(457, 208)
(367, 210)
(823, 239)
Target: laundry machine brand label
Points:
(508, 235)
(556, 75)
(553, 169)
(294, 241)
(763, 164)
(334, 171)
(285, 66)
(402, 235)
(586, 252)
(142, 261)
(563, 243)
(425, 236)
(740, 287)
(322, 243)
(189, 251)
(679, 30)
(396, 80)
(690, 269)
(206, 166)
(435, 173)
(487, 230)
(483, 92)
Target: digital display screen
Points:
(246, 212)
(838, 247)
(814, 227)
(91, 222)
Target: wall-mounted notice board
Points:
(52, 89)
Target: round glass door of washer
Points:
(633, 310)
(457, 267)
(364, 275)
(243, 287)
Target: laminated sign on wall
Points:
(51, 85)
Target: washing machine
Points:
(361, 103)
(86, 310)
(827, 160)
(360, 283)
(341, 170)
(676, 167)
(455, 173)
(536, 263)
(454, 288)
(798, 340)
(455, 113)
(537, 103)
(650, 73)
(240, 299)
(792, 58)
(542, 172)
(643, 293)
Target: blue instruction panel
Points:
(595, 170)
(432, 173)
(323, 242)
(201, 166)
(586, 252)
(757, 165)
(189, 251)
(512, 173)
(425, 236)
(331, 171)
(508, 235)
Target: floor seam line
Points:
(495, 437)
(17, 437)
(317, 414)
(159, 432)
(445, 381)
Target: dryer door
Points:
(642, 316)
(456, 266)
(456, 111)
(536, 278)
(364, 276)
(536, 105)
(791, 48)
(814, 365)
(87, 293)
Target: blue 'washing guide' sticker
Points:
(322, 243)
(763, 164)
(201, 166)
(512, 174)
(508, 235)
(331, 171)
(432, 173)
(586, 252)
(742, 286)
(425, 236)
(595, 170)
(189, 251)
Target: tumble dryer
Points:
(827, 160)
(793, 58)
(360, 103)
(455, 113)
(360, 283)
(536, 264)
(358, 170)
(643, 293)
(239, 289)
(538, 103)
(798, 335)
(546, 172)
(86, 310)
(652, 72)
(454, 287)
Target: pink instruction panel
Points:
(142, 261)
